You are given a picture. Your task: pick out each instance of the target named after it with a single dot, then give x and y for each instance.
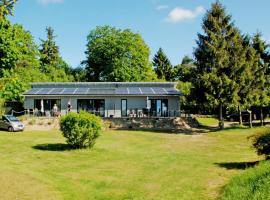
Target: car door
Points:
(4, 124)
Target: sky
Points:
(170, 24)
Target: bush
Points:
(80, 129)
(32, 122)
(261, 142)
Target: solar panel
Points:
(159, 91)
(121, 90)
(172, 91)
(32, 91)
(101, 91)
(81, 91)
(147, 90)
(56, 91)
(134, 90)
(44, 91)
(68, 90)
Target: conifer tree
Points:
(217, 61)
(162, 66)
(261, 73)
(49, 51)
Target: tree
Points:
(117, 55)
(6, 7)
(13, 89)
(261, 72)
(52, 64)
(162, 66)
(185, 71)
(79, 74)
(17, 47)
(244, 77)
(49, 51)
(213, 58)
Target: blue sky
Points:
(170, 24)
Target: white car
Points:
(11, 123)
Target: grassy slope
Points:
(252, 185)
(122, 165)
(207, 121)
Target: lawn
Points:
(122, 165)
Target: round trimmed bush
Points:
(80, 129)
(261, 142)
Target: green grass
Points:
(252, 185)
(122, 165)
(207, 121)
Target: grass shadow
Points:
(238, 165)
(53, 147)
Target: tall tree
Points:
(117, 55)
(52, 63)
(261, 72)
(163, 66)
(213, 56)
(49, 51)
(17, 47)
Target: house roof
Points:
(104, 89)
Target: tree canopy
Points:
(117, 55)
(163, 66)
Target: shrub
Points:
(261, 142)
(80, 129)
(32, 122)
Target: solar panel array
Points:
(104, 91)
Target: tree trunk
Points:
(221, 120)
(261, 117)
(240, 116)
(250, 119)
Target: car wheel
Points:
(10, 129)
(231, 119)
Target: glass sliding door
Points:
(159, 107)
(123, 107)
(96, 106)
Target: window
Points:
(96, 106)
(159, 107)
(123, 107)
(48, 104)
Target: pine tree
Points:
(216, 59)
(261, 73)
(49, 51)
(162, 66)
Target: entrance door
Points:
(123, 107)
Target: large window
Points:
(159, 107)
(123, 107)
(48, 104)
(96, 106)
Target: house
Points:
(106, 99)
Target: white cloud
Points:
(45, 2)
(179, 14)
(162, 7)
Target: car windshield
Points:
(12, 118)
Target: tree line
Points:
(229, 69)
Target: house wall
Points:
(112, 103)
